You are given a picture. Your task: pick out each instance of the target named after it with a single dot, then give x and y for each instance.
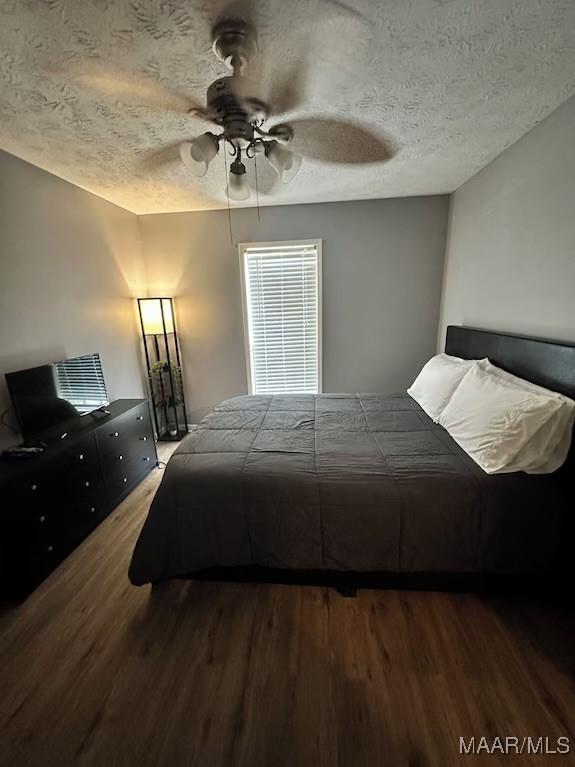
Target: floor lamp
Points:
(164, 367)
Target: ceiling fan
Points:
(243, 118)
(241, 115)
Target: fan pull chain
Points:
(257, 190)
(228, 198)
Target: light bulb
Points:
(198, 154)
(285, 163)
(238, 188)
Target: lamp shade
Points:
(151, 310)
(198, 154)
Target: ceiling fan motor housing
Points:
(238, 131)
(233, 109)
(232, 94)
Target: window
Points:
(282, 315)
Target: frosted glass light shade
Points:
(197, 154)
(291, 168)
(285, 163)
(238, 188)
(151, 313)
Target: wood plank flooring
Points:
(96, 672)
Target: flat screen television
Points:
(57, 394)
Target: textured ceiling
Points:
(443, 86)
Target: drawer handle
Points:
(92, 509)
(125, 479)
(146, 458)
(34, 487)
(81, 457)
(42, 518)
(49, 549)
(139, 418)
(86, 484)
(120, 458)
(115, 434)
(144, 439)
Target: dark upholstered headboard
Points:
(547, 363)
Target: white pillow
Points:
(547, 450)
(435, 384)
(492, 419)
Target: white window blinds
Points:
(282, 316)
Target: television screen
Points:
(57, 393)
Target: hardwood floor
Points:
(96, 672)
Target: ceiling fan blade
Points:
(159, 158)
(340, 65)
(322, 67)
(288, 94)
(338, 141)
(133, 89)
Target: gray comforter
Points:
(340, 482)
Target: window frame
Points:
(242, 247)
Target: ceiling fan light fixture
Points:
(291, 170)
(238, 188)
(285, 163)
(198, 154)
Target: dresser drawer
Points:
(39, 558)
(32, 492)
(55, 523)
(43, 527)
(51, 483)
(130, 429)
(86, 513)
(60, 512)
(147, 459)
(114, 462)
(81, 485)
(83, 456)
(123, 478)
(136, 462)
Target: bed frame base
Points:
(348, 583)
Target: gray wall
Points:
(510, 261)
(382, 270)
(69, 263)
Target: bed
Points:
(355, 484)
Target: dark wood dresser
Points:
(50, 503)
